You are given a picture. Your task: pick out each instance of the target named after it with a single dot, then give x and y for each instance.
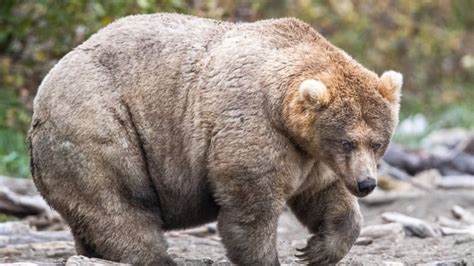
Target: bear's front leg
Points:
(247, 224)
(333, 217)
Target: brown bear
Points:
(165, 121)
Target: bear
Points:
(165, 121)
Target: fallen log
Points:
(383, 230)
(379, 197)
(81, 260)
(413, 226)
(447, 222)
(13, 233)
(453, 162)
(55, 249)
(21, 205)
(363, 241)
(446, 231)
(456, 182)
(22, 186)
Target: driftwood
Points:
(21, 186)
(363, 241)
(413, 226)
(201, 231)
(457, 231)
(447, 222)
(383, 230)
(379, 197)
(12, 233)
(387, 169)
(368, 234)
(19, 197)
(455, 162)
(451, 182)
(81, 260)
(463, 214)
(54, 249)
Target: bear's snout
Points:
(366, 186)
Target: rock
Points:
(427, 179)
(386, 169)
(449, 138)
(456, 262)
(413, 125)
(401, 158)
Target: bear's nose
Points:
(366, 186)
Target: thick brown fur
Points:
(162, 122)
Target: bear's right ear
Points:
(314, 93)
(391, 86)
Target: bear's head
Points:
(346, 122)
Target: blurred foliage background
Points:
(430, 42)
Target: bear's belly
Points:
(187, 205)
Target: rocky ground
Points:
(202, 246)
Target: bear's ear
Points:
(314, 93)
(391, 86)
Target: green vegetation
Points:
(430, 42)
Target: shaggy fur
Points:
(165, 121)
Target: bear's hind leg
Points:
(84, 249)
(104, 193)
(333, 217)
(131, 237)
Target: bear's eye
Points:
(347, 146)
(376, 146)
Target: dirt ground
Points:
(206, 249)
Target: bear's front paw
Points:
(320, 251)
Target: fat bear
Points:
(163, 122)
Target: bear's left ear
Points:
(391, 86)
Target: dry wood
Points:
(413, 226)
(459, 181)
(383, 230)
(54, 249)
(202, 231)
(12, 233)
(81, 260)
(379, 197)
(363, 241)
(21, 205)
(463, 214)
(458, 231)
(387, 169)
(447, 222)
(21, 186)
